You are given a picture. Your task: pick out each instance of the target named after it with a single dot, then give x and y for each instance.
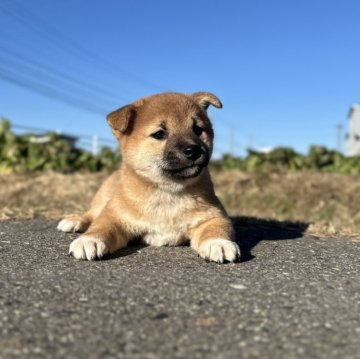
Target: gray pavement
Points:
(291, 296)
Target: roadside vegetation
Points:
(49, 152)
(327, 202)
(22, 153)
(53, 179)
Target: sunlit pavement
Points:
(292, 296)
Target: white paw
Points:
(219, 250)
(88, 247)
(69, 225)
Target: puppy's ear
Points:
(205, 99)
(121, 120)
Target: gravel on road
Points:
(291, 296)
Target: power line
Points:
(38, 75)
(22, 15)
(49, 92)
(61, 64)
(88, 86)
(222, 121)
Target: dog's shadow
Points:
(249, 231)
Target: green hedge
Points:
(283, 158)
(19, 154)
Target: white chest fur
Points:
(160, 237)
(166, 218)
(167, 213)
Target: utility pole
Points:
(231, 140)
(339, 135)
(251, 142)
(95, 145)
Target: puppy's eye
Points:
(198, 130)
(159, 135)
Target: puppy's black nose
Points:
(193, 152)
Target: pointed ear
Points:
(121, 120)
(205, 99)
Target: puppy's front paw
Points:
(219, 250)
(88, 247)
(72, 224)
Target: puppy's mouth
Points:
(188, 162)
(186, 172)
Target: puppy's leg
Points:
(104, 236)
(100, 200)
(213, 241)
(75, 223)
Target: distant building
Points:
(45, 138)
(353, 137)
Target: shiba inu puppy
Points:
(163, 191)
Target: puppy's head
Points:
(166, 137)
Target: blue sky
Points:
(287, 72)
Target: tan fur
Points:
(139, 200)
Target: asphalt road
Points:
(291, 296)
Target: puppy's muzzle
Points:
(185, 160)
